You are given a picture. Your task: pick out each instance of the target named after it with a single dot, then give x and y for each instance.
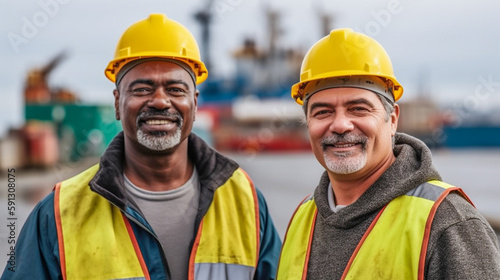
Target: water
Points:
(285, 179)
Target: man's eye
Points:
(320, 113)
(176, 90)
(359, 109)
(141, 90)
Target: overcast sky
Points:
(449, 48)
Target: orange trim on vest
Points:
(428, 225)
(310, 236)
(293, 215)
(358, 247)
(137, 249)
(196, 244)
(257, 214)
(60, 240)
(306, 263)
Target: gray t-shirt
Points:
(171, 214)
(331, 200)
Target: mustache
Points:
(152, 113)
(336, 138)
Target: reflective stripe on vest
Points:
(96, 240)
(393, 247)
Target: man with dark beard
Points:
(380, 210)
(161, 204)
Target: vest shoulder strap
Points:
(95, 240)
(297, 244)
(227, 241)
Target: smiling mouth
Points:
(339, 146)
(344, 145)
(347, 142)
(158, 126)
(158, 122)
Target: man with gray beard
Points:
(154, 140)
(161, 204)
(380, 210)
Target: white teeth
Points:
(157, 122)
(345, 145)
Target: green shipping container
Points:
(83, 130)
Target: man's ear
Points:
(394, 119)
(116, 94)
(196, 94)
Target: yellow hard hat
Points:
(157, 36)
(346, 53)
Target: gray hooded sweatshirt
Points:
(462, 244)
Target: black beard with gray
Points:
(159, 141)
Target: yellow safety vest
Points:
(393, 247)
(96, 240)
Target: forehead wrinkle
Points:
(173, 82)
(153, 75)
(176, 75)
(355, 101)
(149, 82)
(319, 104)
(359, 101)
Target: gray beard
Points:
(159, 142)
(344, 163)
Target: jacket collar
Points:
(213, 170)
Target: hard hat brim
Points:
(299, 96)
(115, 65)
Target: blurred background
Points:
(57, 115)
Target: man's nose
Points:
(341, 123)
(160, 99)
